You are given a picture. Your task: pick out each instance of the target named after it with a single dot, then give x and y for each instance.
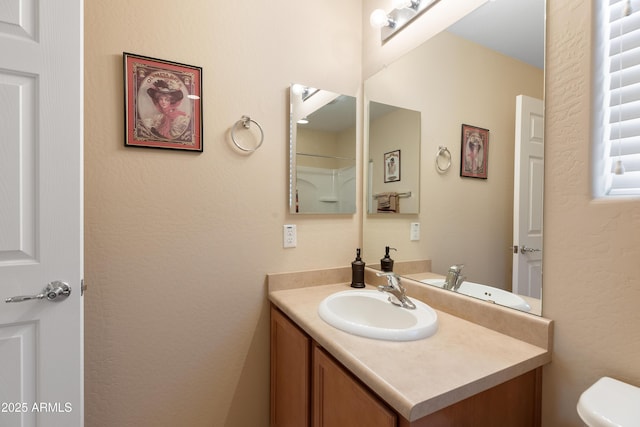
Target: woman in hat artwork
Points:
(169, 121)
(474, 161)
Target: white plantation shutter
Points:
(619, 44)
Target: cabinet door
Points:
(339, 400)
(290, 373)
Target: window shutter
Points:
(622, 99)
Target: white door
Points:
(528, 197)
(41, 236)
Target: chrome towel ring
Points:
(445, 154)
(246, 121)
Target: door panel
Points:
(41, 345)
(340, 400)
(17, 371)
(17, 168)
(528, 197)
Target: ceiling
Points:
(512, 27)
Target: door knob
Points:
(54, 291)
(524, 250)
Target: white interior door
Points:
(41, 80)
(528, 197)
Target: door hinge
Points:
(83, 287)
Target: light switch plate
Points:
(290, 236)
(415, 231)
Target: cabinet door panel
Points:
(339, 400)
(290, 373)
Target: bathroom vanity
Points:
(483, 365)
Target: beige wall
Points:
(176, 321)
(178, 244)
(332, 144)
(591, 269)
(452, 81)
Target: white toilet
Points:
(610, 403)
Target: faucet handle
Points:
(386, 274)
(393, 280)
(456, 268)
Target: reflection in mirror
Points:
(453, 80)
(322, 152)
(393, 179)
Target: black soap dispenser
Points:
(357, 271)
(386, 263)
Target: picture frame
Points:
(163, 104)
(392, 166)
(474, 152)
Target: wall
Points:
(591, 270)
(178, 244)
(452, 81)
(332, 144)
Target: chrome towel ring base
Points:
(445, 155)
(245, 122)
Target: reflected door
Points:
(528, 197)
(41, 374)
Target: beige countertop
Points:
(417, 378)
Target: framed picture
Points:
(474, 157)
(163, 104)
(392, 166)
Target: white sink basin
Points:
(368, 313)
(487, 293)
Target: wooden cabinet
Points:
(340, 400)
(512, 403)
(290, 373)
(337, 397)
(310, 388)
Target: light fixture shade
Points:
(379, 18)
(401, 4)
(297, 89)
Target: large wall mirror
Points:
(483, 71)
(393, 172)
(322, 152)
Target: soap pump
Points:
(357, 271)
(386, 263)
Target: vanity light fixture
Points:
(401, 4)
(403, 13)
(303, 91)
(379, 19)
(303, 121)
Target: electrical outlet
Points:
(290, 236)
(415, 231)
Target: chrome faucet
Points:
(397, 292)
(454, 277)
